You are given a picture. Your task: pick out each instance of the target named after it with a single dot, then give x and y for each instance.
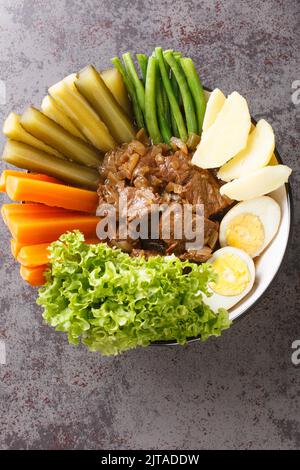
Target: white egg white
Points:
(216, 300)
(265, 208)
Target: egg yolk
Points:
(233, 275)
(245, 231)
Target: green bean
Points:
(187, 98)
(171, 97)
(196, 88)
(177, 55)
(131, 90)
(173, 124)
(143, 62)
(177, 96)
(161, 113)
(150, 102)
(165, 103)
(138, 85)
(165, 99)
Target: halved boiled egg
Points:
(235, 273)
(250, 225)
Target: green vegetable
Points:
(177, 55)
(29, 158)
(193, 141)
(162, 113)
(112, 302)
(178, 98)
(76, 107)
(187, 98)
(196, 88)
(172, 99)
(165, 98)
(43, 128)
(150, 101)
(166, 103)
(114, 81)
(131, 90)
(93, 88)
(143, 62)
(139, 87)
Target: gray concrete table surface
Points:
(234, 392)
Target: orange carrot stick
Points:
(60, 195)
(15, 247)
(35, 176)
(47, 229)
(31, 210)
(34, 276)
(35, 255)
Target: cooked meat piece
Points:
(132, 206)
(211, 233)
(197, 256)
(108, 194)
(174, 232)
(121, 162)
(158, 246)
(171, 227)
(203, 188)
(175, 168)
(138, 202)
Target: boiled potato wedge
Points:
(227, 136)
(257, 183)
(214, 105)
(257, 154)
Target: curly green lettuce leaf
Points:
(113, 302)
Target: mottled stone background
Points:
(239, 391)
